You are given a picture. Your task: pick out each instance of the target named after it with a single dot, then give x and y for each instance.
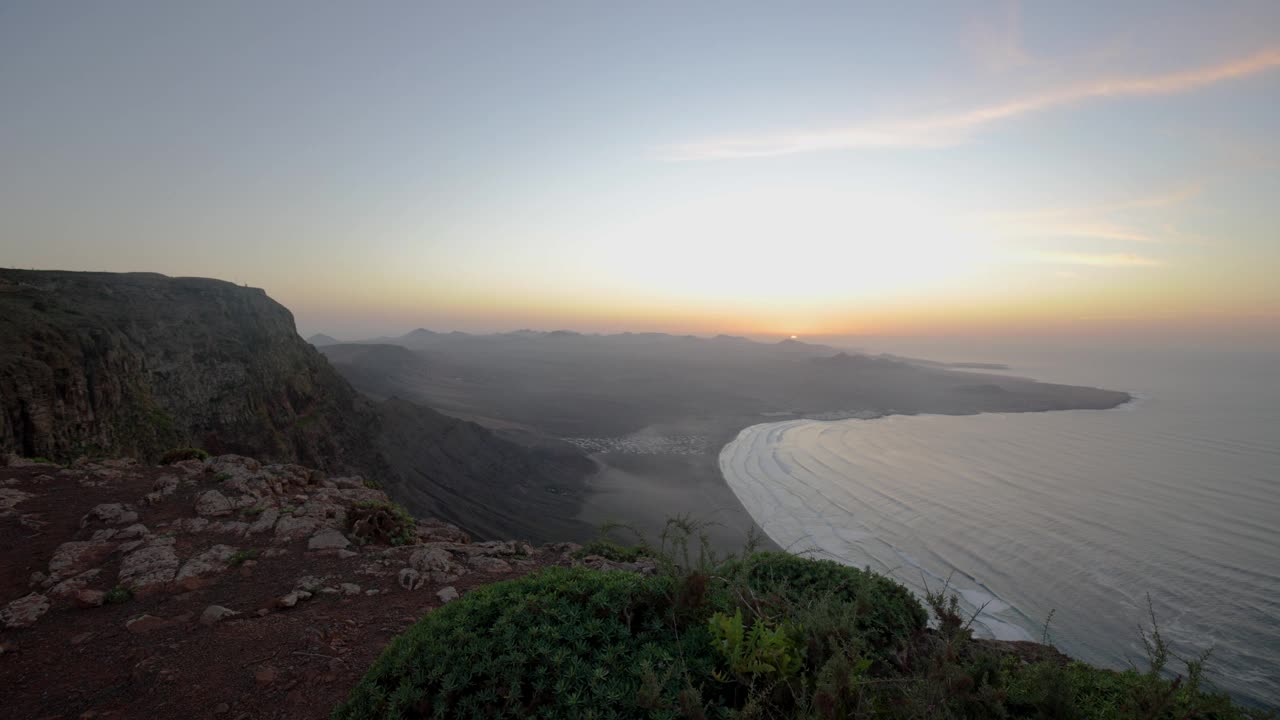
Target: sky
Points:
(1002, 169)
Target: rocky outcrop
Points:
(137, 364)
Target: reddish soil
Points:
(288, 663)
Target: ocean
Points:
(1085, 514)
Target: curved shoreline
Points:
(761, 472)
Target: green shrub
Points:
(118, 595)
(884, 614)
(762, 651)
(238, 558)
(381, 522)
(767, 636)
(180, 454)
(565, 643)
(611, 550)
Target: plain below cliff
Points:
(106, 364)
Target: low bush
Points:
(118, 595)
(769, 635)
(611, 550)
(385, 523)
(180, 454)
(565, 643)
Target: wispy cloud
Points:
(1111, 260)
(950, 128)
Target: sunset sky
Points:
(812, 168)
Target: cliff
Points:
(104, 364)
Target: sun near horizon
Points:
(1003, 170)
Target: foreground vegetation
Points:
(768, 635)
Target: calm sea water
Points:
(1083, 513)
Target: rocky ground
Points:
(220, 588)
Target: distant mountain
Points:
(136, 364)
(321, 340)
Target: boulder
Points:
(146, 623)
(410, 579)
(432, 530)
(111, 514)
(213, 560)
(133, 532)
(447, 595)
(490, 564)
(328, 539)
(295, 528)
(73, 558)
(216, 613)
(212, 503)
(153, 564)
(265, 521)
(90, 598)
(24, 611)
(69, 588)
(350, 589)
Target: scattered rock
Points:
(90, 598)
(82, 638)
(24, 611)
(111, 514)
(490, 564)
(212, 503)
(309, 583)
(213, 560)
(156, 563)
(432, 530)
(350, 589)
(146, 623)
(347, 554)
(69, 588)
(288, 601)
(447, 595)
(295, 528)
(73, 558)
(10, 497)
(216, 613)
(328, 539)
(410, 579)
(265, 521)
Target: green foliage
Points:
(371, 484)
(611, 550)
(42, 460)
(884, 614)
(764, 651)
(179, 454)
(118, 595)
(254, 511)
(767, 635)
(238, 558)
(565, 643)
(386, 523)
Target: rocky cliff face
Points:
(135, 364)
